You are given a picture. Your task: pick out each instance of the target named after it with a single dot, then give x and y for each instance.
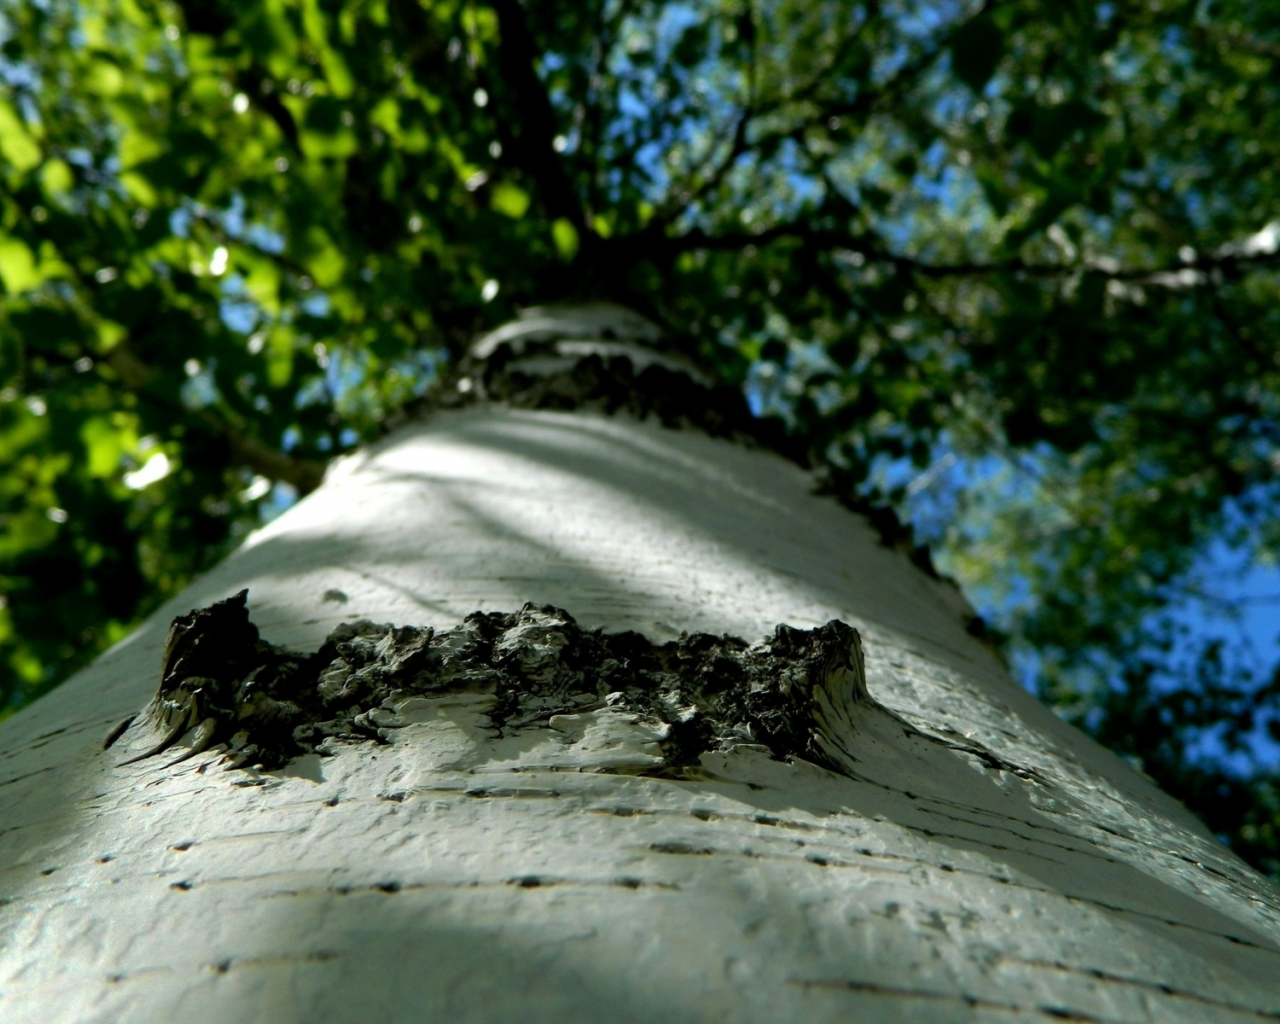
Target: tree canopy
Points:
(1011, 269)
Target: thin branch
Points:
(260, 88)
(685, 198)
(752, 110)
(737, 137)
(873, 251)
(865, 103)
(304, 475)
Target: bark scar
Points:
(796, 693)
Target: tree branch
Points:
(752, 109)
(260, 87)
(532, 142)
(862, 105)
(303, 474)
(874, 252)
(685, 198)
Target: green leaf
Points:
(335, 69)
(56, 177)
(104, 446)
(994, 191)
(511, 200)
(17, 146)
(565, 236)
(105, 78)
(279, 357)
(109, 334)
(262, 280)
(140, 146)
(325, 261)
(143, 192)
(18, 268)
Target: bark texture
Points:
(958, 855)
(656, 707)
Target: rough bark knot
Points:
(222, 688)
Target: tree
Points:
(517, 817)
(235, 239)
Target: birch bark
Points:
(972, 859)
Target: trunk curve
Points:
(947, 850)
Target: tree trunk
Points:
(942, 849)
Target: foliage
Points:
(1038, 237)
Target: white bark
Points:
(452, 876)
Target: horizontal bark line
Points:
(837, 861)
(392, 886)
(1048, 1010)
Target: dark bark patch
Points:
(681, 849)
(543, 374)
(222, 686)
